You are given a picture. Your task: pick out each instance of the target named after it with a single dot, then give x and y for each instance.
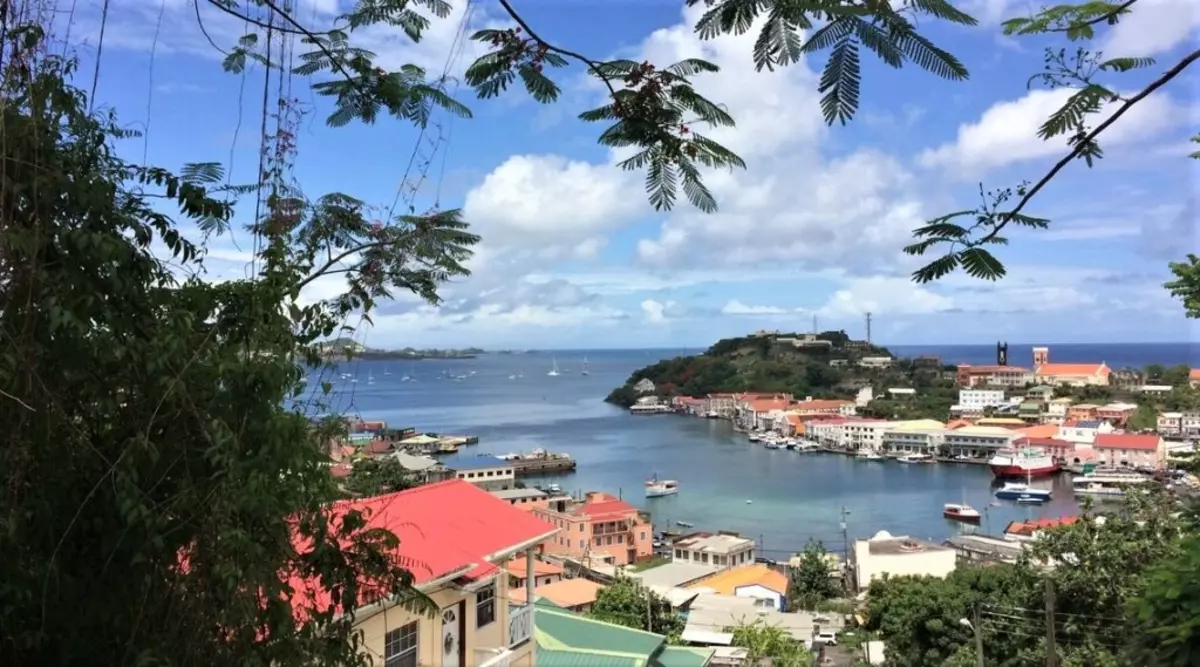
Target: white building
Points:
(876, 362)
(827, 432)
(979, 441)
(722, 549)
(861, 434)
(978, 399)
(899, 556)
(1084, 432)
(926, 441)
(487, 472)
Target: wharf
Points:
(543, 464)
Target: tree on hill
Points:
(372, 477)
(769, 644)
(627, 602)
(809, 582)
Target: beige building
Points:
(456, 539)
(885, 554)
(722, 549)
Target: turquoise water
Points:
(793, 496)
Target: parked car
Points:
(826, 638)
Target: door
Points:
(452, 632)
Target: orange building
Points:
(602, 528)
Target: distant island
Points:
(345, 348)
(821, 365)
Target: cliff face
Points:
(802, 364)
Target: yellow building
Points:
(456, 539)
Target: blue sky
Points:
(572, 256)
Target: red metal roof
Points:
(602, 506)
(1029, 527)
(1127, 441)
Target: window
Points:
(400, 646)
(485, 606)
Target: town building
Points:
(1061, 450)
(456, 539)
(979, 441)
(1128, 449)
(1082, 412)
(975, 402)
(876, 362)
(566, 639)
(526, 499)
(1024, 531)
(756, 581)
(754, 413)
(885, 555)
(487, 472)
(919, 436)
(599, 529)
(1056, 410)
(544, 573)
(991, 376)
(720, 405)
(1116, 413)
(809, 407)
(576, 595)
(1170, 424)
(1194, 377)
(721, 549)
(1072, 375)
(1084, 431)
(423, 469)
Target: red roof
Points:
(1127, 441)
(768, 404)
(603, 506)
(1194, 375)
(819, 405)
(1029, 527)
(1045, 442)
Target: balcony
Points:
(520, 624)
(492, 657)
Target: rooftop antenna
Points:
(868, 328)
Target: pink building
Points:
(1127, 449)
(602, 528)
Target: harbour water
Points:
(778, 497)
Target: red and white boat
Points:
(1023, 463)
(957, 512)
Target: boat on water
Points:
(585, 369)
(868, 455)
(754, 436)
(657, 488)
(1021, 492)
(774, 443)
(1022, 463)
(807, 447)
(684, 524)
(712, 414)
(1113, 485)
(916, 458)
(960, 512)
(553, 368)
(1031, 500)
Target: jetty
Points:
(539, 462)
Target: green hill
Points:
(774, 363)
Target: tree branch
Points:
(591, 64)
(339, 257)
(1088, 140)
(296, 30)
(1099, 19)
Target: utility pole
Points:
(868, 328)
(978, 638)
(847, 572)
(1051, 648)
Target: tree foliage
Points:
(809, 582)
(627, 602)
(765, 642)
(162, 505)
(1186, 285)
(371, 477)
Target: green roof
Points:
(565, 639)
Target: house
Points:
(1023, 531)
(721, 549)
(487, 472)
(1194, 377)
(424, 469)
(979, 441)
(756, 581)
(1073, 375)
(1082, 412)
(1056, 410)
(876, 362)
(1116, 413)
(601, 528)
(991, 376)
(1127, 449)
(884, 554)
(1083, 432)
(809, 407)
(525, 499)
(456, 540)
(577, 595)
(565, 639)
(711, 617)
(545, 573)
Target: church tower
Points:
(1001, 354)
(1041, 356)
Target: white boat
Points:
(1022, 492)
(807, 447)
(754, 437)
(916, 458)
(868, 455)
(657, 488)
(370, 378)
(1022, 463)
(960, 512)
(712, 414)
(553, 368)
(775, 444)
(1105, 486)
(585, 370)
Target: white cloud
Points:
(881, 296)
(1007, 132)
(736, 307)
(1153, 27)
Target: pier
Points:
(541, 463)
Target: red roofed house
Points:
(602, 528)
(1026, 530)
(1075, 375)
(757, 413)
(456, 540)
(1127, 449)
(1194, 377)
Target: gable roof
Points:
(600, 505)
(565, 593)
(1128, 441)
(565, 639)
(727, 582)
(1040, 431)
(518, 567)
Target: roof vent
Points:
(910, 545)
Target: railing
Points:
(492, 657)
(520, 624)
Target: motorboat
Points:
(916, 458)
(1027, 499)
(1022, 492)
(960, 512)
(868, 455)
(657, 488)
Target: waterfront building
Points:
(884, 554)
(917, 436)
(1061, 450)
(423, 469)
(1084, 431)
(721, 549)
(754, 412)
(991, 376)
(458, 539)
(863, 433)
(826, 431)
(566, 639)
(487, 472)
(722, 405)
(1128, 449)
(756, 581)
(979, 442)
(601, 529)
(809, 407)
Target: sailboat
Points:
(585, 370)
(370, 378)
(554, 368)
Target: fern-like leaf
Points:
(938, 268)
(1125, 64)
(1070, 116)
(979, 263)
(540, 87)
(840, 82)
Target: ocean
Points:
(778, 497)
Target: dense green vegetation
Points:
(1125, 593)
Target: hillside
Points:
(774, 363)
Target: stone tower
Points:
(1001, 354)
(1041, 355)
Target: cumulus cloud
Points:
(1154, 27)
(1007, 132)
(736, 307)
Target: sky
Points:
(573, 256)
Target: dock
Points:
(540, 463)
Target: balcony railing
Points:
(520, 624)
(492, 657)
